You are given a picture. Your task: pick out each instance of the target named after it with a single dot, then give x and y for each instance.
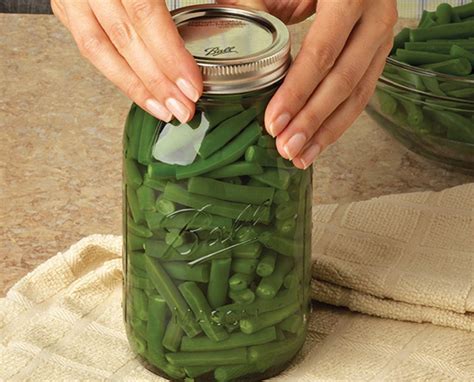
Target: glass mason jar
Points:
(216, 225)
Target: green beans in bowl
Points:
(425, 96)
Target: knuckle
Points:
(134, 88)
(362, 95)
(90, 45)
(346, 80)
(156, 82)
(140, 10)
(387, 21)
(120, 34)
(324, 57)
(311, 119)
(332, 133)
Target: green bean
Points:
(166, 288)
(156, 184)
(281, 245)
(196, 371)
(458, 127)
(202, 250)
(400, 39)
(266, 265)
(138, 272)
(286, 211)
(266, 157)
(232, 373)
(456, 67)
(267, 142)
(135, 131)
(240, 281)
(458, 30)
(155, 329)
(182, 271)
(146, 198)
(414, 79)
(192, 220)
(280, 335)
(427, 20)
(236, 169)
(247, 266)
(218, 115)
(457, 51)
(453, 85)
(218, 282)
(137, 259)
(291, 279)
(264, 320)
(236, 340)
(267, 355)
(465, 10)
(281, 196)
(132, 174)
(215, 206)
(160, 171)
(154, 219)
(138, 344)
(136, 212)
(147, 138)
(173, 335)
(286, 227)
(244, 297)
(277, 178)
(292, 324)
(138, 326)
(247, 233)
(164, 206)
(248, 251)
(138, 229)
(462, 93)
(226, 155)
(432, 85)
(199, 305)
(227, 130)
(270, 285)
(234, 180)
(444, 13)
(438, 47)
(139, 301)
(140, 282)
(230, 192)
(228, 314)
(224, 357)
(414, 57)
(161, 250)
(414, 113)
(134, 242)
(175, 238)
(388, 104)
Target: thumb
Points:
(254, 4)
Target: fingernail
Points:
(158, 110)
(277, 126)
(178, 109)
(294, 145)
(310, 155)
(188, 89)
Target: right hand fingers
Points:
(132, 70)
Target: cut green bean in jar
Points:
(217, 239)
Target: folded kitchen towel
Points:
(406, 257)
(63, 321)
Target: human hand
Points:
(136, 45)
(333, 75)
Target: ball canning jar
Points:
(216, 225)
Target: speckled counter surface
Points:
(60, 149)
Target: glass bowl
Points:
(432, 114)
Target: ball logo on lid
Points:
(217, 51)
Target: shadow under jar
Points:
(217, 226)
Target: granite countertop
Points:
(60, 169)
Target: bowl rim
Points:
(426, 73)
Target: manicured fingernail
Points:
(310, 155)
(279, 124)
(294, 145)
(188, 89)
(178, 109)
(158, 110)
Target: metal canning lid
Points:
(237, 49)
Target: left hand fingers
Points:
(336, 124)
(360, 49)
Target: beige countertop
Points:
(60, 148)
